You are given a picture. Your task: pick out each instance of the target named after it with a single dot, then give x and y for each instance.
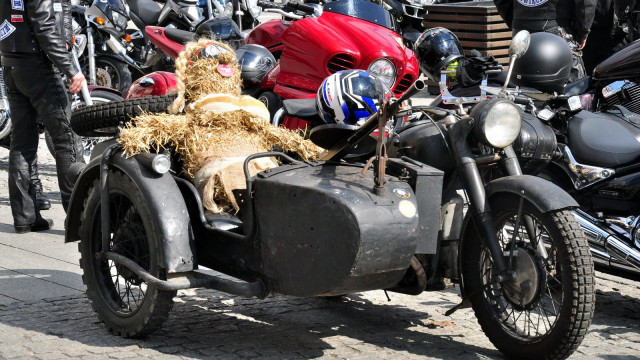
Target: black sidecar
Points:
(304, 229)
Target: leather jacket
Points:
(575, 16)
(29, 32)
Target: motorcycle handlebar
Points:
(292, 6)
(269, 5)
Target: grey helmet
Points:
(255, 62)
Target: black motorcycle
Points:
(594, 156)
(519, 256)
(615, 81)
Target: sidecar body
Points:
(304, 229)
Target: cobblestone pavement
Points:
(208, 324)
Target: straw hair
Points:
(199, 76)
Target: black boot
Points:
(40, 225)
(42, 202)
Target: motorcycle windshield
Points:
(363, 10)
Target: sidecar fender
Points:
(162, 196)
(543, 194)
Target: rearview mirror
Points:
(519, 44)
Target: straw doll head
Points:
(205, 67)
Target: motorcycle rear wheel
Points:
(548, 317)
(128, 306)
(104, 119)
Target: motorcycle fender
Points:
(162, 196)
(543, 194)
(103, 88)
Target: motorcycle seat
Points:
(224, 221)
(302, 108)
(147, 10)
(179, 36)
(603, 139)
(577, 87)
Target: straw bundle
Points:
(218, 131)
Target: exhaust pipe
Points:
(614, 246)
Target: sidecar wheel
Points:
(544, 313)
(127, 305)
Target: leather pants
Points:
(36, 91)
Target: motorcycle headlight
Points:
(254, 9)
(498, 122)
(383, 69)
(119, 20)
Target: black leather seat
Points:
(302, 108)
(179, 36)
(603, 139)
(147, 10)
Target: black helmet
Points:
(221, 29)
(546, 65)
(255, 62)
(436, 48)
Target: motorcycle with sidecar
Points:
(336, 227)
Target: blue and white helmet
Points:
(350, 97)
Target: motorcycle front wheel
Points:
(111, 73)
(545, 311)
(128, 306)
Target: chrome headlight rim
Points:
(497, 122)
(387, 79)
(253, 8)
(420, 3)
(119, 20)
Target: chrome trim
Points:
(620, 251)
(615, 87)
(582, 175)
(622, 254)
(449, 99)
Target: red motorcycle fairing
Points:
(314, 48)
(269, 35)
(155, 84)
(158, 38)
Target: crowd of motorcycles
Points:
(514, 186)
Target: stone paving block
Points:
(52, 356)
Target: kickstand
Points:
(465, 303)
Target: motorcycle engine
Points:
(625, 93)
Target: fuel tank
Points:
(323, 231)
(624, 64)
(157, 83)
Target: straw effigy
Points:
(218, 129)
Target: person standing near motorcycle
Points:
(31, 42)
(569, 19)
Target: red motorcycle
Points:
(311, 43)
(342, 35)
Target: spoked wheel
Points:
(111, 73)
(127, 305)
(544, 312)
